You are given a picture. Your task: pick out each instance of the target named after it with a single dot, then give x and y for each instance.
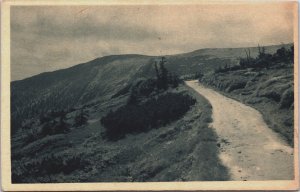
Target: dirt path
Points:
(248, 148)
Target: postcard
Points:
(149, 95)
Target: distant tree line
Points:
(265, 60)
(282, 57)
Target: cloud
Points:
(92, 29)
(46, 38)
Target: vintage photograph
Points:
(153, 92)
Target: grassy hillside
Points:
(94, 81)
(183, 150)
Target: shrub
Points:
(47, 166)
(226, 68)
(136, 118)
(198, 75)
(271, 94)
(263, 61)
(81, 118)
(236, 85)
(32, 134)
(56, 113)
(53, 127)
(291, 54)
(287, 99)
(142, 88)
(247, 62)
(44, 118)
(281, 54)
(47, 128)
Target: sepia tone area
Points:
(145, 93)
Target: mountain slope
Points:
(101, 78)
(75, 86)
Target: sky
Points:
(48, 38)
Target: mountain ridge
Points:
(101, 78)
(198, 51)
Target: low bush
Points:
(226, 68)
(81, 118)
(141, 117)
(287, 99)
(47, 166)
(42, 144)
(236, 85)
(270, 94)
(58, 164)
(31, 134)
(143, 88)
(53, 127)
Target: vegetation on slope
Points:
(72, 87)
(141, 117)
(184, 148)
(150, 105)
(267, 87)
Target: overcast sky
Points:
(50, 38)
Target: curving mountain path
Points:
(248, 147)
